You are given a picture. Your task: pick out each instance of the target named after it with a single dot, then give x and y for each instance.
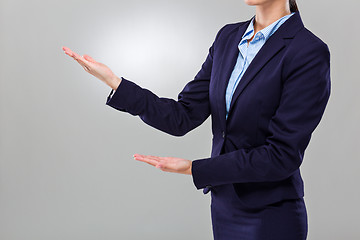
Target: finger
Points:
(164, 163)
(73, 54)
(88, 58)
(81, 60)
(146, 160)
(68, 51)
(66, 48)
(84, 65)
(76, 57)
(155, 157)
(150, 157)
(143, 157)
(151, 162)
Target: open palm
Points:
(97, 69)
(167, 164)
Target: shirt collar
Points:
(265, 32)
(249, 31)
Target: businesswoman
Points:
(265, 83)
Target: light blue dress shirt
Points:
(248, 52)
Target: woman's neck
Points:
(266, 15)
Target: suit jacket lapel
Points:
(227, 65)
(272, 46)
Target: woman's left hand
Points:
(167, 164)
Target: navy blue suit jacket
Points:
(275, 108)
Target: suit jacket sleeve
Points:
(168, 115)
(305, 93)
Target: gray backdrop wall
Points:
(66, 166)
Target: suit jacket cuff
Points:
(199, 175)
(121, 97)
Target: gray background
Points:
(66, 166)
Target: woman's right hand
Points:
(97, 69)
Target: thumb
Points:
(88, 58)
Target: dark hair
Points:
(293, 6)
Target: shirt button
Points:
(223, 134)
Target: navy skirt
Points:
(285, 220)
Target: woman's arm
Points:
(174, 117)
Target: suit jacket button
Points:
(223, 134)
